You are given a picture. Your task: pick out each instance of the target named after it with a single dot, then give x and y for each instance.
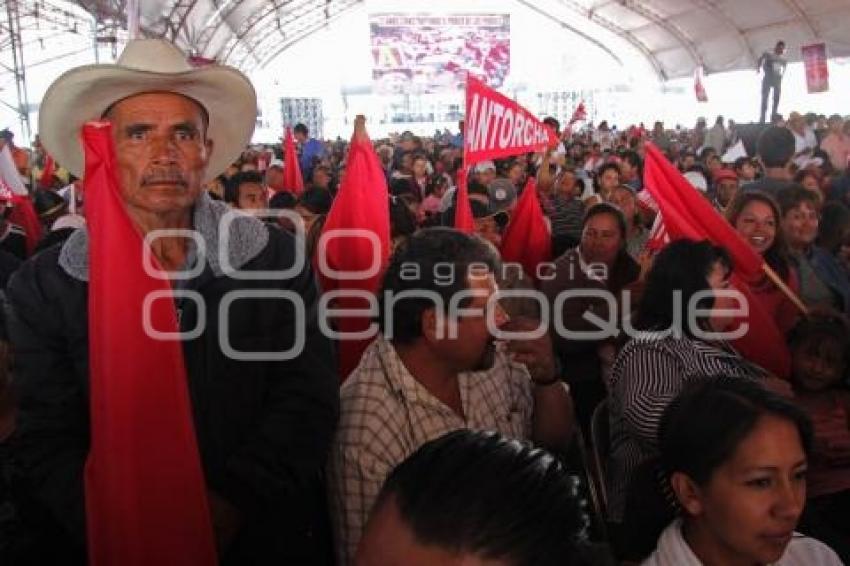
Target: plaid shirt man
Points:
(386, 415)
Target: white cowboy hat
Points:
(148, 65)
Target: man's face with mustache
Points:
(162, 151)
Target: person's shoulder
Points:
(281, 252)
(562, 272)
(768, 185)
(368, 401)
(808, 551)
(42, 278)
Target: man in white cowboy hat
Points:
(263, 428)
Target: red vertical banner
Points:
(145, 492)
(817, 70)
(699, 86)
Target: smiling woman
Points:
(755, 216)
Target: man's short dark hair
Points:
(434, 260)
(633, 159)
(741, 161)
(282, 200)
(775, 146)
(552, 123)
(792, 196)
(246, 177)
(607, 208)
(231, 188)
(301, 129)
(706, 152)
(482, 494)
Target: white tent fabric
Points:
(673, 36)
(720, 35)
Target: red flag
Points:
(463, 210)
(361, 204)
(687, 214)
(146, 500)
(527, 239)
(579, 114)
(293, 181)
(699, 87)
(46, 179)
(658, 237)
(24, 215)
(496, 126)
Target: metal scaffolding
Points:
(28, 24)
(11, 39)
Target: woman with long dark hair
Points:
(756, 217)
(670, 346)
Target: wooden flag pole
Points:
(780, 284)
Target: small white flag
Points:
(9, 176)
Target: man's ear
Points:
(208, 145)
(688, 493)
(429, 324)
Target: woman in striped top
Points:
(665, 353)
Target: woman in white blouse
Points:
(734, 457)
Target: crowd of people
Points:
(451, 449)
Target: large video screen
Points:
(423, 53)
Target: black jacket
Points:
(263, 427)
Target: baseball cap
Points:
(502, 194)
(485, 166)
(697, 179)
(725, 175)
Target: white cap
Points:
(68, 221)
(697, 179)
(485, 166)
(276, 163)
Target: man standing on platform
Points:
(773, 64)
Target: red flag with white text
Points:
(497, 127)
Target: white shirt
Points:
(807, 140)
(672, 550)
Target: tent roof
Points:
(674, 36)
